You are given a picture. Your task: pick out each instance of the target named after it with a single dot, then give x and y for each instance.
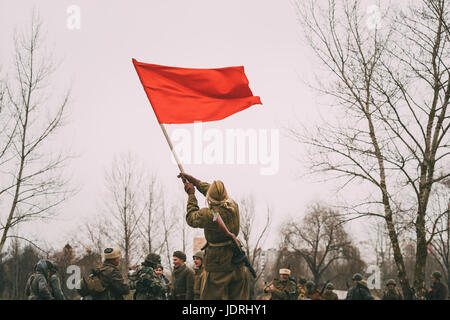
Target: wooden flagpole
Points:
(171, 147)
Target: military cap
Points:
(391, 281)
(199, 254)
(180, 255)
(285, 271)
(437, 275)
(330, 286)
(111, 253)
(152, 259)
(357, 276)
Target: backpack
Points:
(91, 285)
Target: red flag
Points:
(185, 95)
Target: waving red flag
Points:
(186, 95)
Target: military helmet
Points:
(199, 254)
(330, 286)
(111, 253)
(391, 281)
(357, 276)
(152, 259)
(437, 275)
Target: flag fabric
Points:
(186, 95)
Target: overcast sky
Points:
(110, 113)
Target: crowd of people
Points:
(220, 269)
(148, 282)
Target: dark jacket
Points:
(359, 292)
(183, 284)
(330, 296)
(198, 277)
(55, 287)
(37, 287)
(147, 284)
(112, 280)
(438, 292)
(165, 283)
(392, 294)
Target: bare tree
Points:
(320, 239)
(252, 237)
(151, 220)
(440, 246)
(94, 235)
(392, 89)
(169, 223)
(124, 181)
(32, 182)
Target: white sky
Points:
(110, 113)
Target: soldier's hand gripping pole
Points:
(239, 254)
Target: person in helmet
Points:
(329, 294)
(359, 291)
(37, 287)
(147, 284)
(312, 293)
(438, 290)
(391, 292)
(198, 273)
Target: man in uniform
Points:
(182, 278)
(392, 293)
(198, 270)
(283, 288)
(359, 291)
(146, 282)
(111, 277)
(223, 280)
(37, 287)
(438, 290)
(54, 282)
(329, 294)
(311, 292)
(301, 289)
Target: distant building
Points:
(199, 242)
(268, 262)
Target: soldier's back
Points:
(148, 285)
(113, 281)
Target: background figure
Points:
(311, 292)
(54, 282)
(182, 278)
(329, 294)
(37, 287)
(392, 293)
(359, 291)
(301, 288)
(438, 290)
(106, 282)
(159, 270)
(147, 284)
(199, 273)
(283, 288)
